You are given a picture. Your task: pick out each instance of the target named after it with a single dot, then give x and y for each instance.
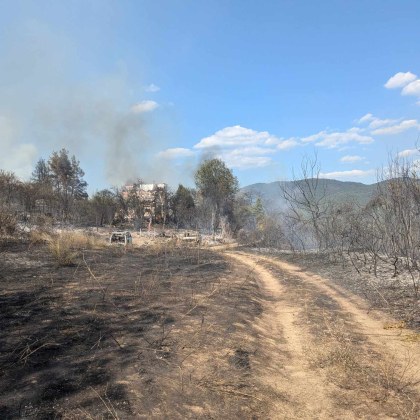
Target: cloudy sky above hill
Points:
(151, 88)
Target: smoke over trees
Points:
(217, 186)
(56, 189)
(385, 229)
(67, 181)
(183, 207)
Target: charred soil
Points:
(166, 331)
(143, 332)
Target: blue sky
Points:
(150, 88)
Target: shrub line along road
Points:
(292, 344)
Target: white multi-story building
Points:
(153, 199)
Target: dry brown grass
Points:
(8, 223)
(395, 325)
(66, 246)
(153, 333)
(383, 379)
(62, 249)
(38, 236)
(412, 338)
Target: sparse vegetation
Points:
(388, 380)
(8, 224)
(66, 246)
(217, 187)
(156, 320)
(186, 326)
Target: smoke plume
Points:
(46, 104)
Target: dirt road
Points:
(324, 355)
(180, 332)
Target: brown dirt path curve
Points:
(301, 391)
(371, 324)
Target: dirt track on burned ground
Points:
(168, 332)
(325, 354)
(149, 332)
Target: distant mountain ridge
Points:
(336, 191)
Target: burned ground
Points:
(385, 290)
(353, 365)
(167, 331)
(147, 332)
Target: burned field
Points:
(385, 285)
(353, 364)
(170, 330)
(143, 332)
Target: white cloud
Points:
(237, 136)
(314, 137)
(387, 126)
(400, 79)
(251, 151)
(408, 153)
(366, 118)
(243, 148)
(338, 138)
(176, 152)
(152, 88)
(397, 128)
(412, 88)
(351, 158)
(245, 162)
(356, 130)
(377, 122)
(333, 140)
(144, 106)
(287, 144)
(409, 83)
(355, 173)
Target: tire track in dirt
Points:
(298, 391)
(394, 341)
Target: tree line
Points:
(385, 230)
(57, 192)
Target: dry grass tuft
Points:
(61, 248)
(8, 223)
(37, 236)
(395, 325)
(164, 247)
(66, 246)
(81, 240)
(337, 351)
(412, 338)
(383, 379)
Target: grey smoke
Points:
(45, 105)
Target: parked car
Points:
(120, 237)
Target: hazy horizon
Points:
(151, 88)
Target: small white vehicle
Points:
(121, 237)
